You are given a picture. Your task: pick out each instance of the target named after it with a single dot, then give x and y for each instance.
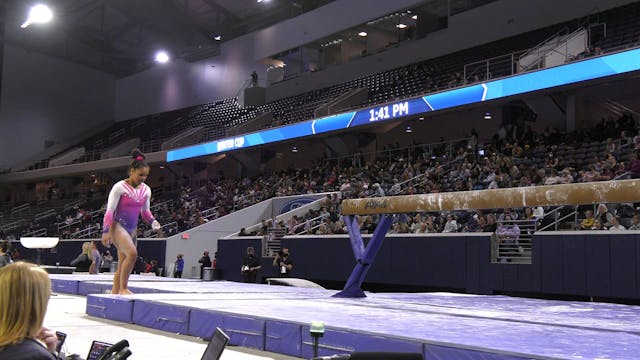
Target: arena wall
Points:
(585, 264)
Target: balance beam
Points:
(545, 195)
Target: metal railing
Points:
(44, 214)
(13, 225)
(211, 213)
(164, 230)
(63, 225)
(491, 68)
(272, 241)
(246, 200)
(39, 232)
(156, 206)
(390, 153)
(554, 214)
(400, 188)
(86, 233)
(20, 208)
(512, 241)
(321, 220)
(562, 33)
(541, 52)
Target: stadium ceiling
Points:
(120, 36)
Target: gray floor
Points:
(66, 313)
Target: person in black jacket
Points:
(205, 261)
(250, 266)
(283, 262)
(26, 289)
(83, 261)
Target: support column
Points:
(570, 118)
(364, 256)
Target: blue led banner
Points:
(609, 65)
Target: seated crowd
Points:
(515, 157)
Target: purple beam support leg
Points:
(352, 288)
(354, 235)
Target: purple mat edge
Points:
(430, 349)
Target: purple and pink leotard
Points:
(124, 205)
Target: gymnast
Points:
(127, 199)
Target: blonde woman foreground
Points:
(23, 304)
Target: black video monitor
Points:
(97, 349)
(216, 345)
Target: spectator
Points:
(153, 267)
(491, 225)
(610, 147)
(5, 257)
(205, 261)
(140, 265)
(107, 260)
(598, 225)
(451, 225)
(634, 166)
(254, 79)
(509, 229)
(250, 266)
(615, 224)
(15, 254)
(635, 222)
(538, 212)
(587, 222)
(604, 215)
(26, 289)
(179, 263)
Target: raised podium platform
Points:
(438, 325)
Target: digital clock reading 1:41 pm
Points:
(389, 111)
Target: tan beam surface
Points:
(546, 195)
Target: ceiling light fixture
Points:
(162, 57)
(487, 116)
(217, 37)
(401, 26)
(39, 14)
(362, 33)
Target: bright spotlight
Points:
(362, 33)
(401, 26)
(39, 14)
(217, 37)
(162, 57)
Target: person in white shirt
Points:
(451, 225)
(615, 224)
(538, 212)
